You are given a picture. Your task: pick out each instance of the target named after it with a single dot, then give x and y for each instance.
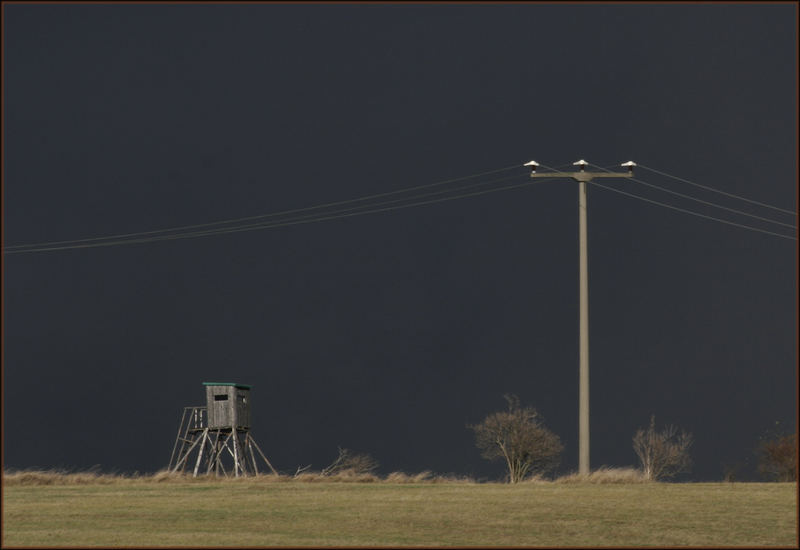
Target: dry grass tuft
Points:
(162, 476)
(342, 476)
(536, 478)
(402, 477)
(452, 478)
(59, 477)
(423, 477)
(398, 477)
(426, 476)
(606, 474)
(349, 476)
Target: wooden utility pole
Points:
(583, 177)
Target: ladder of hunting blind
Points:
(193, 421)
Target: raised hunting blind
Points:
(218, 433)
(228, 405)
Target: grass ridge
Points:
(35, 477)
(398, 510)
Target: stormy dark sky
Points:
(387, 333)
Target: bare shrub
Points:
(357, 463)
(300, 470)
(662, 454)
(777, 458)
(518, 437)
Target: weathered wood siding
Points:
(243, 407)
(228, 407)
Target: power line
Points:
(181, 233)
(693, 213)
(335, 214)
(298, 218)
(253, 227)
(715, 205)
(339, 213)
(718, 191)
(261, 216)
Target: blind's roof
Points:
(242, 386)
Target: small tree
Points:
(777, 458)
(518, 437)
(662, 454)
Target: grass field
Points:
(263, 512)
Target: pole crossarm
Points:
(582, 176)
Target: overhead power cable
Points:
(259, 225)
(681, 209)
(279, 223)
(333, 214)
(718, 191)
(261, 216)
(715, 205)
(692, 213)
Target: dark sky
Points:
(388, 333)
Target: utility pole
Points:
(583, 177)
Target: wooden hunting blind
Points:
(228, 405)
(218, 432)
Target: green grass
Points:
(266, 512)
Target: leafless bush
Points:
(300, 470)
(347, 461)
(777, 458)
(662, 454)
(518, 437)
